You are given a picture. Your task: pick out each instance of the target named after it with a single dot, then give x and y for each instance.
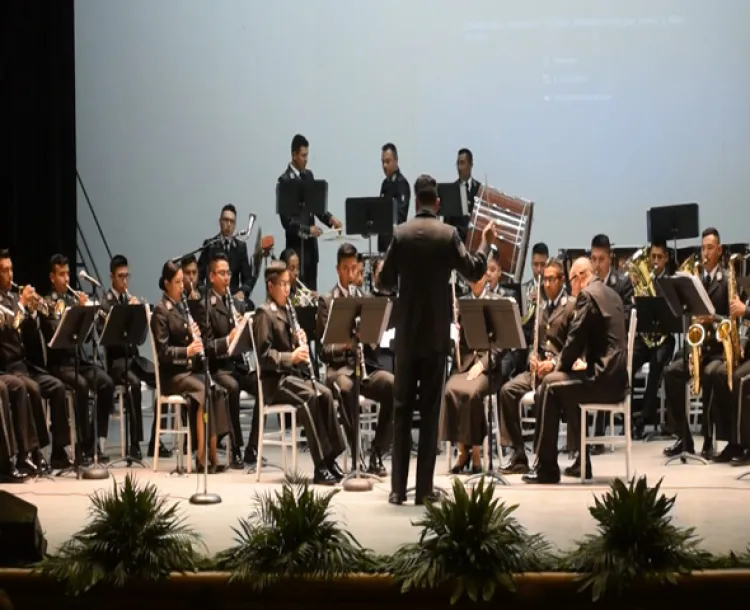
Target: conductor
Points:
(419, 262)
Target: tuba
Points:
(696, 333)
(728, 331)
(639, 269)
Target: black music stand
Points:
(357, 320)
(686, 298)
(449, 194)
(673, 222)
(369, 217)
(241, 345)
(491, 325)
(71, 333)
(126, 327)
(298, 198)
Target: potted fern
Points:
(291, 535)
(636, 541)
(471, 543)
(132, 535)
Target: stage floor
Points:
(708, 497)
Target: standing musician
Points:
(714, 279)
(230, 373)
(464, 419)
(285, 380)
(469, 190)
(419, 262)
(139, 369)
(376, 383)
(61, 362)
(301, 232)
(180, 348)
(657, 351)
(39, 384)
(554, 322)
(395, 188)
(597, 336)
(243, 279)
(11, 392)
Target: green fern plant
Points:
(290, 535)
(635, 541)
(132, 534)
(472, 543)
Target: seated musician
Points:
(464, 420)
(61, 362)
(376, 384)
(553, 331)
(190, 274)
(591, 368)
(230, 373)
(658, 351)
(180, 348)
(286, 376)
(714, 279)
(140, 369)
(601, 261)
(12, 397)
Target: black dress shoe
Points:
(396, 499)
(376, 466)
(432, 498)
(41, 463)
(730, 452)
(164, 453)
(574, 470)
(25, 464)
(61, 461)
(236, 463)
(519, 464)
(135, 452)
(678, 448)
(322, 476)
(335, 470)
(597, 449)
(542, 477)
(251, 456)
(9, 474)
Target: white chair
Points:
(613, 409)
(274, 439)
(120, 393)
(173, 402)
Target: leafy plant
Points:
(290, 535)
(472, 543)
(635, 541)
(132, 534)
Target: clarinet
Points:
(191, 322)
(296, 330)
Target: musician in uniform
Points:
(230, 373)
(61, 363)
(301, 232)
(190, 274)
(601, 261)
(464, 420)
(419, 262)
(553, 327)
(359, 280)
(657, 351)
(286, 381)
(395, 188)
(597, 336)
(180, 348)
(714, 279)
(376, 383)
(243, 278)
(10, 394)
(20, 321)
(469, 190)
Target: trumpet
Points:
(41, 304)
(78, 295)
(304, 297)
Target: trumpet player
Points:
(376, 383)
(39, 384)
(231, 374)
(61, 362)
(676, 376)
(285, 376)
(139, 369)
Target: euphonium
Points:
(728, 332)
(531, 303)
(303, 296)
(639, 269)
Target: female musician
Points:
(180, 348)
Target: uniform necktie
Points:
(707, 280)
(122, 299)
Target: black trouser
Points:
(729, 408)
(22, 421)
(510, 398)
(422, 375)
(308, 268)
(235, 382)
(657, 357)
(133, 397)
(8, 445)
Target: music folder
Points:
(373, 312)
(491, 324)
(685, 295)
(655, 317)
(242, 342)
(124, 325)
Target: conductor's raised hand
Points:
(301, 354)
(488, 233)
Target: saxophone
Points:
(696, 333)
(728, 332)
(639, 270)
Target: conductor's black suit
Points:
(419, 262)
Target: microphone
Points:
(243, 235)
(85, 276)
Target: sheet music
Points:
(59, 326)
(463, 191)
(240, 329)
(388, 336)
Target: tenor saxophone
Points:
(728, 332)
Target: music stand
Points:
(491, 325)
(369, 216)
(241, 345)
(126, 327)
(71, 334)
(449, 194)
(673, 222)
(686, 298)
(357, 320)
(298, 198)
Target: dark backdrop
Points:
(37, 135)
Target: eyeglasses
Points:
(224, 273)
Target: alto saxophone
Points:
(360, 355)
(728, 332)
(696, 333)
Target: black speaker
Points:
(21, 538)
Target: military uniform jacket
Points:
(396, 188)
(12, 348)
(243, 276)
(57, 304)
(462, 222)
(718, 291)
(554, 325)
(623, 286)
(222, 322)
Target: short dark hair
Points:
(218, 256)
(273, 271)
(392, 147)
(601, 241)
(361, 258)
(540, 248)
(346, 250)
(557, 263)
(57, 260)
(4, 253)
(168, 271)
(118, 260)
(229, 208)
(425, 190)
(298, 142)
(468, 153)
(288, 254)
(661, 245)
(188, 260)
(711, 231)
